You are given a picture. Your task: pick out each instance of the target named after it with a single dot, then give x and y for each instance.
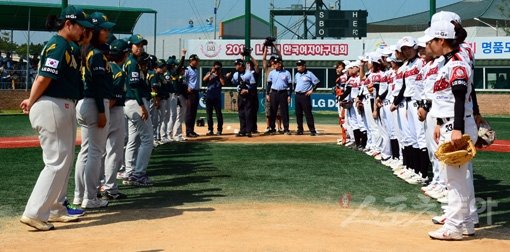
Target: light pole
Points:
(487, 24)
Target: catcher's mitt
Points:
(451, 155)
(486, 135)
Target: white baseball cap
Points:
(373, 57)
(442, 29)
(384, 51)
(445, 16)
(406, 41)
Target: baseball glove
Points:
(486, 135)
(450, 155)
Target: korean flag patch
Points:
(134, 75)
(53, 63)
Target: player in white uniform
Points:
(415, 147)
(453, 109)
(369, 90)
(353, 113)
(51, 108)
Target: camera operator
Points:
(269, 43)
(214, 80)
(253, 66)
(247, 93)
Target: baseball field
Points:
(266, 193)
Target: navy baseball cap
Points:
(238, 62)
(76, 14)
(100, 21)
(119, 46)
(194, 57)
(300, 62)
(161, 63)
(277, 59)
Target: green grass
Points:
(15, 125)
(203, 173)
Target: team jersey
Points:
(384, 85)
(98, 78)
(354, 83)
(455, 72)
(371, 80)
(430, 77)
(413, 68)
(135, 82)
(167, 83)
(398, 80)
(58, 62)
(119, 84)
(155, 81)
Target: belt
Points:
(441, 121)
(408, 99)
(300, 93)
(278, 91)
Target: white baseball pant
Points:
(93, 148)
(139, 146)
(55, 121)
(114, 148)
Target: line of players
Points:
(399, 102)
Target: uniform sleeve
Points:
(459, 81)
(314, 78)
(119, 82)
(100, 79)
(53, 59)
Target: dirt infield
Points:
(328, 133)
(246, 227)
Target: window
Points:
(497, 78)
(478, 78)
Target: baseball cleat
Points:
(37, 224)
(439, 220)
(63, 219)
(94, 203)
(445, 234)
(72, 210)
(468, 229)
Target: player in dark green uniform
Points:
(51, 108)
(136, 109)
(93, 114)
(119, 50)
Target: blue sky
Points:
(176, 13)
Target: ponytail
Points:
(53, 23)
(460, 36)
(460, 32)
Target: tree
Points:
(504, 8)
(5, 42)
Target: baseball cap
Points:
(161, 63)
(100, 21)
(277, 59)
(119, 46)
(170, 61)
(144, 58)
(194, 57)
(238, 62)
(374, 57)
(442, 29)
(300, 62)
(386, 50)
(76, 14)
(136, 39)
(445, 16)
(393, 58)
(406, 41)
(111, 38)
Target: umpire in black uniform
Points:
(306, 82)
(247, 90)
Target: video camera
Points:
(246, 52)
(269, 41)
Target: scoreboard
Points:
(341, 23)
